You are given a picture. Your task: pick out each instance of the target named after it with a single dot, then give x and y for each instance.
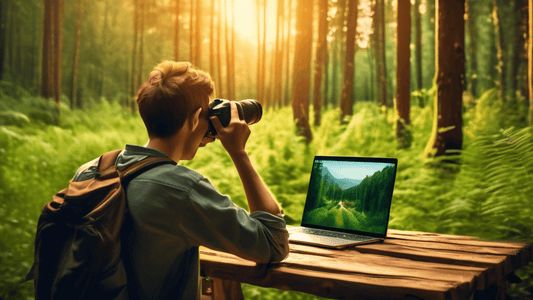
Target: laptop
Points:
(348, 202)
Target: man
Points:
(174, 210)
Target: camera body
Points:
(249, 110)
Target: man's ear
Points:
(195, 120)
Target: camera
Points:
(249, 110)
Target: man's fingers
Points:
(234, 111)
(216, 123)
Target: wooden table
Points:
(407, 265)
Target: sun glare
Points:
(245, 20)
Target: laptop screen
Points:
(350, 194)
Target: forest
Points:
(444, 86)
(349, 203)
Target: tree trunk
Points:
(104, 48)
(348, 83)
(76, 60)
(212, 40)
(220, 91)
(472, 33)
(2, 39)
(337, 61)
(381, 57)
(500, 82)
(288, 80)
(142, 16)
(447, 125)
(403, 74)
(519, 51)
(418, 45)
(47, 84)
(191, 32)
(232, 54)
(530, 62)
(198, 34)
(58, 50)
(302, 69)
(134, 54)
(278, 60)
(321, 53)
(263, 57)
(177, 30)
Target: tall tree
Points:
(450, 58)
(520, 46)
(47, 84)
(418, 44)
(302, 69)
(76, 58)
(212, 40)
(288, 78)
(337, 60)
(177, 30)
(2, 39)
(191, 33)
(381, 58)
(321, 53)
(142, 16)
(260, 64)
(473, 35)
(530, 62)
(500, 42)
(348, 79)
(198, 34)
(403, 73)
(134, 52)
(58, 50)
(278, 59)
(220, 91)
(103, 48)
(230, 51)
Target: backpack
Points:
(77, 243)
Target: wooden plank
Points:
(426, 265)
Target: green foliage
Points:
(487, 197)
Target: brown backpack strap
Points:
(107, 160)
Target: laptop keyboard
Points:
(341, 235)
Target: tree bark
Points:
(321, 53)
(379, 37)
(177, 30)
(278, 61)
(191, 33)
(134, 54)
(418, 45)
(302, 70)
(336, 79)
(530, 62)
(348, 79)
(47, 84)
(232, 54)
(447, 126)
(76, 59)
(288, 79)
(520, 46)
(198, 34)
(2, 39)
(403, 74)
(212, 40)
(265, 100)
(142, 16)
(220, 91)
(500, 83)
(58, 49)
(472, 33)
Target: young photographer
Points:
(173, 210)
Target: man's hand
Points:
(235, 135)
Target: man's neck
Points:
(168, 146)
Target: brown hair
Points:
(172, 93)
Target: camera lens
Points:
(251, 110)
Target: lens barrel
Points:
(249, 110)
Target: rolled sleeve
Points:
(214, 221)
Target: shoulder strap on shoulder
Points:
(107, 160)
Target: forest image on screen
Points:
(350, 195)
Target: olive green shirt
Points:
(172, 211)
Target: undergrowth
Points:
(488, 196)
